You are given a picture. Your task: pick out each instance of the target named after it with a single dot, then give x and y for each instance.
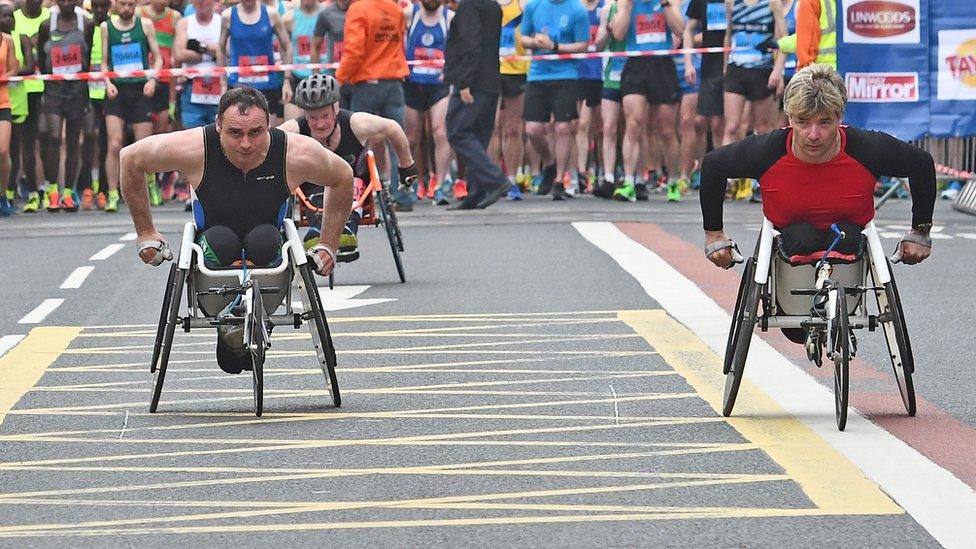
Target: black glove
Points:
(768, 45)
(194, 45)
(408, 176)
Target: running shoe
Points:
(167, 186)
(432, 186)
(460, 189)
(33, 202)
(100, 200)
(514, 194)
(155, 196)
(524, 181)
(626, 192)
(756, 197)
(421, 189)
(87, 200)
(548, 178)
(348, 241)
(744, 190)
(640, 192)
(112, 205)
(695, 179)
(952, 191)
(6, 208)
(570, 186)
(603, 189)
(310, 239)
(183, 192)
(674, 195)
(68, 202)
(52, 202)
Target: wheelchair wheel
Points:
(392, 231)
(896, 336)
(743, 337)
(841, 354)
(747, 278)
(166, 342)
(258, 346)
(162, 317)
(319, 327)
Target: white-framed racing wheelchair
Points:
(828, 300)
(266, 302)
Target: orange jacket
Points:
(807, 32)
(374, 37)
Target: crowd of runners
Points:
(616, 127)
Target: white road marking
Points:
(889, 235)
(41, 311)
(9, 342)
(128, 237)
(970, 236)
(940, 502)
(940, 236)
(106, 252)
(77, 278)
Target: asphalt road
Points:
(521, 389)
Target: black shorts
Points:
(423, 97)
(656, 78)
(5, 115)
(130, 105)
(613, 94)
(753, 84)
(711, 97)
(551, 99)
(591, 92)
(68, 107)
(513, 85)
(160, 98)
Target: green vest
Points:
(614, 66)
(827, 49)
(30, 26)
(17, 90)
(96, 88)
(128, 50)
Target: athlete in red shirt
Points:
(817, 172)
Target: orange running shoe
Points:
(460, 189)
(101, 201)
(87, 200)
(53, 200)
(432, 186)
(421, 191)
(68, 203)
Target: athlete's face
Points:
(66, 6)
(244, 136)
(159, 5)
(321, 122)
(100, 9)
(125, 9)
(431, 5)
(815, 138)
(203, 7)
(6, 17)
(249, 4)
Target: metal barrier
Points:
(966, 201)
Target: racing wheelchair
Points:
(826, 299)
(308, 212)
(261, 297)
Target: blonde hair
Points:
(815, 90)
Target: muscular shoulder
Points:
(308, 160)
(289, 126)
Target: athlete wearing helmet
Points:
(348, 135)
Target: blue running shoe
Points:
(6, 209)
(514, 194)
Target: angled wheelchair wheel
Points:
(747, 278)
(896, 336)
(258, 346)
(166, 342)
(841, 354)
(319, 327)
(163, 310)
(743, 337)
(392, 231)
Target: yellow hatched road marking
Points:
(23, 366)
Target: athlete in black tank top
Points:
(349, 148)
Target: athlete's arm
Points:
(318, 36)
(284, 42)
(30, 62)
(110, 90)
(12, 65)
(181, 151)
(603, 33)
(672, 13)
(147, 27)
(376, 131)
(621, 23)
(779, 31)
(180, 53)
(688, 41)
(309, 161)
(222, 56)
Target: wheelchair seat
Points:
(793, 272)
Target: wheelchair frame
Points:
(257, 320)
(374, 193)
(758, 287)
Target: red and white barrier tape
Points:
(252, 70)
(946, 170)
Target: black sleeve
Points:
(469, 45)
(750, 157)
(696, 10)
(321, 25)
(884, 155)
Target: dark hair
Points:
(244, 98)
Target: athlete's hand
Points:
(466, 96)
(286, 92)
(691, 75)
(544, 41)
(721, 258)
(775, 80)
(324, 259)
(152, 255)
(149, 88)
(912, 253)
(408, 176)
(111, 91)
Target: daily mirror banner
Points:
(909, 65)
(882, 51)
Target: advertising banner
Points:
(953, 68)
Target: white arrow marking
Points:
(341, 298)
(9, 342)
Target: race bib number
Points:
(66, 59)
(651, 29)
(205, 90)
(127, 57)
(303, 49)
(594, 29)
(715, 17)
(96, 85)
(337, 49)
(434, 61)
(506, 42)
(250, 60)
(747, 40)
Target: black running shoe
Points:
(548, 178)
(640, 191)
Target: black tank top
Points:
(241, 202)
(349, 148)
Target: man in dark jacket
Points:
(471, 67)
